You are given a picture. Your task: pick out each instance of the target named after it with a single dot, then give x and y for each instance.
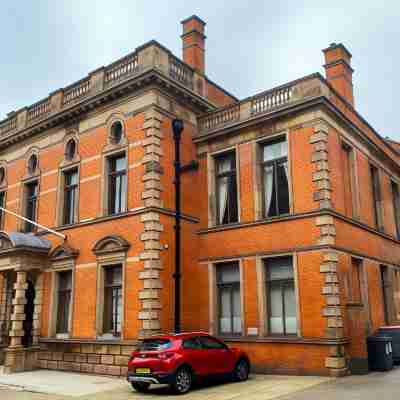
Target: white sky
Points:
(251, 46)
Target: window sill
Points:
(283, 340)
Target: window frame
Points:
(57, 267)
(349, 152)
(231, 174)
(262, 295)
(232, 287)
(27, 202)
(105, 260)
(67, 318)
(112, 176)
(112, 287)
(274, 163)
(3, 203)
(396, 205)
(376, 197)
(66, 189)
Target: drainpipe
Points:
(177, 128)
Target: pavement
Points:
(57, 385)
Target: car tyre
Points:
(141, 387)
(241, 371)
(183, 380)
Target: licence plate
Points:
(142, 370)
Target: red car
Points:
(178, 360)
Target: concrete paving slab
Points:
(61, 383)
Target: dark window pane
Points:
(226, 190)
(210, 343)
(192, 343)
(376, 194)
(275, 179)
(396, 206)
(113, 300)
(117, 185)
(31, 191)
(154, 344)
(64, 301)
(2, 204)
(70, 196)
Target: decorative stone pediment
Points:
(111, 244)
(63, 252)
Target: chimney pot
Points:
(193, 42)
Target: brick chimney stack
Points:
(193, 42)
(338, 70)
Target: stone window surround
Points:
(22, 208)
(73, 165)
(114, 151)
(107, 257)
(213, 295)
(348, 147)
(212, 198)
(56, 268)
(257, 180)
(262, 293)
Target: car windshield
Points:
(154, 344)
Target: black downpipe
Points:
(177, 127)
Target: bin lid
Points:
(379, 339)
(396, 327)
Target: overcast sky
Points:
(251, 46)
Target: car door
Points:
(217, 355)
(194, 355)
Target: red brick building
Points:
(290, 224)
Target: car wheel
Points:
(182, 380)
(241, 371)
(141, 387)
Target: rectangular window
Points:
(2, 204)
(64, 301)
(117, 184)
(349, 181)
(228, 288)
(226, 189)
(387, 293)
(281, 296)
(396, 207)
(275, 181)
(376, 197)
(112, 300)
(70, 196)
(31, 196)
(354, 281)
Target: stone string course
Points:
(103, 359)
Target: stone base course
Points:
(103, 359)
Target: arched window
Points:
(116, 132)
(32, 163)
(70, 149)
